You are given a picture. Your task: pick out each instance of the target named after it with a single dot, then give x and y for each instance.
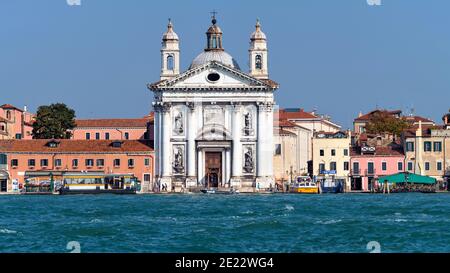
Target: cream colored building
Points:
(425, 151)
(331, 156)
(294, 129)
(292, 150)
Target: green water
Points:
(234, 223)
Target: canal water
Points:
(235, 223)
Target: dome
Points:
(258, 34)
(219, 56)
(214, 29)
(170, 34)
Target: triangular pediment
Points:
(213, 75)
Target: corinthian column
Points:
(192, 130)
(262, 134)
(264, 155)
(166, 166)
(236, 168)
(156, 128)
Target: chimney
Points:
(25, 108)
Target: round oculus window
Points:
(213, 77)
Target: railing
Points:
(355, 172)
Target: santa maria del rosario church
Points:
(214, 122)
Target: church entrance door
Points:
(213, 169)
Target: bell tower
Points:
(170, 54)
(258, 53)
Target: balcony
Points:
(355, 172)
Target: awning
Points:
(3, 174)
(407, 178)
(42, 173)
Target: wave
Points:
(289, 207)
(328, 222)
(7, 231)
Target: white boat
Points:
(217, 191)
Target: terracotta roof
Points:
(330, 133)
(150, 117)
(9, 106)
(295, 114)
(367, 116)
(416, 119)
(75, 146)
(389, 150)
(426, 130)
(113, 123)
(284, 123)
(283, 132)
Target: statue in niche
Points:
(179, 123)
(248, 160)
(178, 161)
(247, 124)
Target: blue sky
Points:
(339, 56)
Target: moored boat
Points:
(304, 184)
(331, 186)
(218, 191)
(304, 187)
(98, 183)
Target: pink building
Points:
(114, 129)
(17, 157)
(370, 162)
(15, 123)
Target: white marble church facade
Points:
(214, 122)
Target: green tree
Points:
(383, 122)
(54, 121)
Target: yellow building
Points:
(331, 157)
(426, 150)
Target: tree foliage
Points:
(54, 122)
(383, 122)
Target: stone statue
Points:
(247, 124)
(248, 161)
(179, 123)
(178, 161)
